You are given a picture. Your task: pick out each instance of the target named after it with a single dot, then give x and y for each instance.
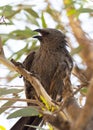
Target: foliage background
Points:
(19, 19)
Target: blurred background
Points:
(18, 19)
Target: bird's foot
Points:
(17, 64)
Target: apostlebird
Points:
(49, 63)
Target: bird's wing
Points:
(57, 82)
(28, 61)
(23, 121)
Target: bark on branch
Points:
(85, 120)
(86, 44)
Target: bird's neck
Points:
(47, 48)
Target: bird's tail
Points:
(22, 122)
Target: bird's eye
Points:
(45, 33)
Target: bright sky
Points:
(6, 2)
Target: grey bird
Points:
(49, 63)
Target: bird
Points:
(50, 63)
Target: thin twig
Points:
(14, 86)
(22, 100)
(18, 107)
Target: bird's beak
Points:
(43, 33)
(39, 37)
(38, 30)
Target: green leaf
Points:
(6, 8)
(32, 19)
(4, 106)
(44, 25)
(76, 50)
(32, 12)
(84, 91)
(85, 10)
(22, 34)
(79, 11)
(45, 102)
(4, 91)
(24, 112)
(12, 14)
(70, 4)
(72, 11)
(8, 12)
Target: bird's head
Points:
(51, 38)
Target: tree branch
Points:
(85, 118)
(21, 100)
(87, 45)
